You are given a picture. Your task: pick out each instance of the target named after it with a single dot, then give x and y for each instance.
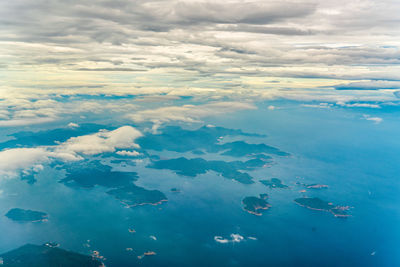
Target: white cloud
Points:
(26, 121)
(128, 153)
(161, 50)
(235, 238)
(320, 105)
(30, 159)
(358, 105)
(376, 120)
(188, 113)
(103, 141)
(73, 125)
(12, 160)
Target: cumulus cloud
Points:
(14, 160)
(103, 141)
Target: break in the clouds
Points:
(220, 50)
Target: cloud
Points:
(358, 105)
(369, 85)
(128, 153)
(23, 122)
(216, 49)
(235, 238)
(101, 36)
(73, 125)
(188, 113)
(320, 105)
(103, 141)
(15, 160)
(376, 120)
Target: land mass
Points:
(47, 256)
(313, 186)
(255, 205)
(206, 138)
(273, 183)
(121, 184)
(193, 167)
(88, 174)
(133, 196)
(21, 215)
(315, 203)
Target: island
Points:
(89, 173)
(316, 203)
(317, 186)
(205, 139)
(21, 215)
(313, 186)
(120, 184)
(147, 253)
(192, 167)
(255, 205)
(175, 190)
(133, 195)
(273, 183)
(47, 256)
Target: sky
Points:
(226, 55)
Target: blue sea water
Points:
(357, 158)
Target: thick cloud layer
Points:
(195, 35)
(216, 49)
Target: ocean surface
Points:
(357, 158)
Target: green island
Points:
(47, 256)
(313, 186)
(316, 186)
(273, 183)
(206, 139)
(316, 203)
(21, 215)
(175, 190)
(133, 195)
(121, 184)
(193, 167)
(255, 205)
(88, 174)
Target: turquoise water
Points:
(355, 157)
